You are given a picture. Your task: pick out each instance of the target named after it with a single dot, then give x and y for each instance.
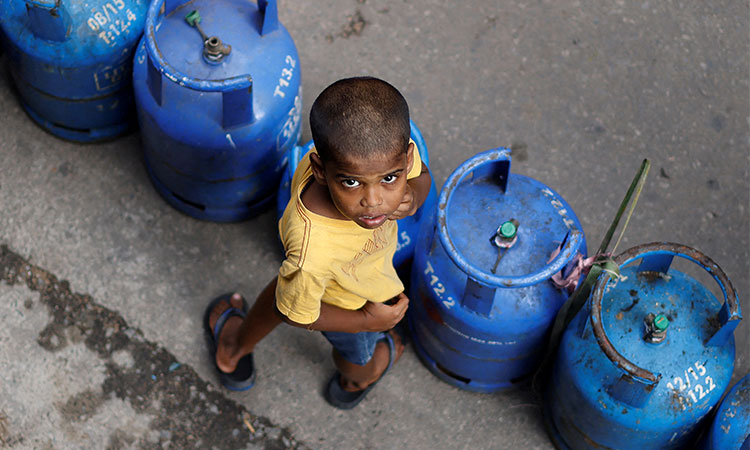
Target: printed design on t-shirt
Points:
(379, 240)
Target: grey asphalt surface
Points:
(103, 284)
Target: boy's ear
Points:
(410, 156)
(318, 170)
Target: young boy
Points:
(339, 231)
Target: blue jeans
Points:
(357, 348)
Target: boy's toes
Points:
(234, 301)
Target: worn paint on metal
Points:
(730, 427)
(216, 135)
(71, 64)
(611, 387)
(571, 246)
(492, 326)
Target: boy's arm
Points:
(371, 317)
(416, 192)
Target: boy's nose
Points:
(372, 198)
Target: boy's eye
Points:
(389, 178)
(350, 183)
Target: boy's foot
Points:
(344, 394)
(382, 361)
(222, 318)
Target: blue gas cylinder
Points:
(219, 99)
(407, 227)
(71, 61)
(647, 357)
(481, 303)
(730, 429)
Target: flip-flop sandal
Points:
(338, 397)
(243, 377)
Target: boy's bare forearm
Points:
(333, 318)
(371, 317)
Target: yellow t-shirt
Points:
(332, 260)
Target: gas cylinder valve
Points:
(213, 49)
(656, 328)
(505, 235)
(504, 238)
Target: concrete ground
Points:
(103, 284)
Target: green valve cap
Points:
(508, 230)
(193, 17)
(661, 322)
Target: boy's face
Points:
(366, 190)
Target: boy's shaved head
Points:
(360, 117)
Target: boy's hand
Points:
(407, 207)
(415, 194)
(383, 317)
